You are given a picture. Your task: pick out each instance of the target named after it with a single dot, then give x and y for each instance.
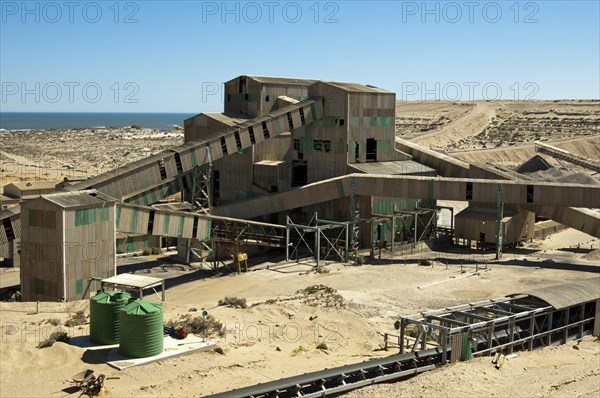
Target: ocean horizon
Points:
(23, 121)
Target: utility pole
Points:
(500, 216)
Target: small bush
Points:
(193, 309)
(234, 302)
(53, 321)
(199, 325)
(77, 319)
(54, 337)
(321, 295)
(424, 262)
(298, 350)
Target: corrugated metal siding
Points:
(41, 251)
(566, 295)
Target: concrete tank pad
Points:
(172, 348)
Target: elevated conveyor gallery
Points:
(153, 178)
(518, 193)
(582, 219)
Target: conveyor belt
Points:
(519, 193)
(333, 381)
(582, 219)
(153, 178)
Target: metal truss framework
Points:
(406, 225)
(201, 201)
(312, 235)
(498, 325)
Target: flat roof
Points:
(174, 206)
(484, 214)
(229, 118)
(269, 162)
(281, 80)
(132, 280)
(9, 198)
(397, 167)
(34, 185)
(78, 198)
(358, 88)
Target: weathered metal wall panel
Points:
(41, 251)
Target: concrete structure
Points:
(66, 239)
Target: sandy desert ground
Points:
(278, 334)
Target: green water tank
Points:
(141, 329)
(104, 316)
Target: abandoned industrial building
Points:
(294, 164)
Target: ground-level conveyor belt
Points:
(329, 382)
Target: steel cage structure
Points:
(500, 325)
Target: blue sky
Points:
(159, 56)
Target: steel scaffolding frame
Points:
(201, 201)
(406, 220)
(318, 227)
(498, 325)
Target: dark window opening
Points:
(265, 130)
(274, 188)
(299, 173)
(251, 132)
(300, 155)
(318, 145)
(163, 171)
(184, 183)
(529, 193)
(267, 98)
(327, 145)
(216, 185)
(223, 146)
(273, 219)
(238, 141)
(469, 193)
(371, 150)
(482, 237)
(296, 144)
(228, 97)
(8, 229)
(246, 96)
(302, 120)
(356, 152)
(150, 222)
(195, 227)
(340, 122)
(178, 163)
(290, 121)
(242, 84)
